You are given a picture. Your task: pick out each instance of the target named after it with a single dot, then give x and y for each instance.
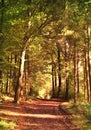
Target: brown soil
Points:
(38, 115)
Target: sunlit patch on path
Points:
(30, 115)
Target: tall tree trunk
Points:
(86, 90)
(17, 91)
(67, 70)
(89, 66)
(59, 70)
(75, 74)
(15, 73)
(27, 76)
(67, 86)
(7, 82)
(84, 72)
(20, 84)
(78, 87)
(53, 78)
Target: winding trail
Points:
(38, 115)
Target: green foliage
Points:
(82, 115)
(7, 125)
(87, 110)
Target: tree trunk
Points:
(14, 73)
(17, 91)
(59, 70)
(75, 75)
(20, 84)
(67, 70)
(86, 90)
(53, 78)
(67, 86)
(89, 66)
(7, 82)
(78, 87)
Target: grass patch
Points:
(7, 125)
(81, 113)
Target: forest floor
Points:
(38, 115)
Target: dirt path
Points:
(38, 115)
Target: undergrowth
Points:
(7, 125)
(81, 113)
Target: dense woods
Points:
(45, 49)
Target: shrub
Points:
(7, 125)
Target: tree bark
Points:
(89, 65)
(67, 71)
(7, 82)
(78, 87)
(20, 84)
(53, 78)
(86, 87)
(59, 70)
(75, 74)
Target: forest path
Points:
(38, 115)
